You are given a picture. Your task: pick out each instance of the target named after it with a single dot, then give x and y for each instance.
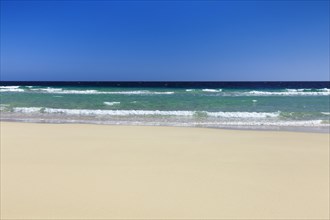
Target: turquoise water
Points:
(201, 107)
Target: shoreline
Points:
(130, 172)
(299, 129)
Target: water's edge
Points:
(322, 130)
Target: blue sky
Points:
(165, 40)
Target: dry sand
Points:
(53, 171)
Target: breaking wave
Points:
(11, 89)
(217, 92)
(290, 92)
(111, 103)
(212, 90)
(89, 91)
(145, 112)
(184, 118)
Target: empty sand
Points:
(93, 171)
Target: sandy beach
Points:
(63, 171)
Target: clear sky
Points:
(166, 40)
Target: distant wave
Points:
(289, 92)
(87, 92)
(212, 90)
(49, 90)
(286, 92)
(66, 91)
(217, 92)
(11, 89)
(111, 103)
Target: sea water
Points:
(250, 105)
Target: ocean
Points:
(236, 105)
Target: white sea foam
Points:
(285, 92)
(111, 103)
(118, 112)
(292, 92)
(325, 90)
(325, 113)
(11, 89)
(298, 90)
(145, 92)
(146, 112)
(91, 91)
(3, 106)
(212, 90)
(48, 89)
(27, 109)
(244, 114)
(309, 123)
(235, 119)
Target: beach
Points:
(85, 171)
